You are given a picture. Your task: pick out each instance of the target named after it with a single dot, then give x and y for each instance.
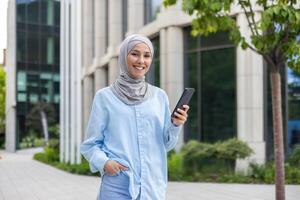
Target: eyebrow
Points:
(140, 52)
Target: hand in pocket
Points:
(112, 167)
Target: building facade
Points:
(232, 96)
(32, 64)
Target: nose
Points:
(141, 59)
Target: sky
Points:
(3, 11)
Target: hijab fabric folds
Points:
(129, 90)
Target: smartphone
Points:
(184, 99)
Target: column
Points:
(115, 38)
(88, 94)
(100, 75)
(250, 100)
(78, 75)
(113, 70)
(87, 7)
(135, 15)
(99, 29)
(10, 106)
(171, 58)
(100, 78)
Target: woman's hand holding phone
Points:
(180, 116)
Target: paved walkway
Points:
(22, 178)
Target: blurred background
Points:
(55, 55)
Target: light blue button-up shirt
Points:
(137, 137)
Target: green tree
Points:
(2, 99)
(33, 120)
(273, 35)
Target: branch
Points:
(270, 61)
(248, 20)
(252, 17)
(278, 54)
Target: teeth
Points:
(139, 68)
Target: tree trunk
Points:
(278, 135)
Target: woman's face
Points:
(139, 60)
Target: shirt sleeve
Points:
(91, 148)
(171, 132)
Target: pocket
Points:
(116, 174)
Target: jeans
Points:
(115, 187)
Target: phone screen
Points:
(184, 99)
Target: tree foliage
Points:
(33, 120)
(2, 99)
(273, 35)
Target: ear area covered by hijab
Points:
(128, 90)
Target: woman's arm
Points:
(91, 148)
(172, 126)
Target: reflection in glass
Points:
(21, 81)
(293, 81)
(151, 9)
(21, 97)
(153, 75)
(218, 97)
(50, 50)
(38, 51)
(213, 107)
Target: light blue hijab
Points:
(129, 90)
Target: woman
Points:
(130, 129)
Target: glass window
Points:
(21, 79)
(21, 12)
(21, 41)
(57, 51)
(151, 9)
(56, 98)
(37, 52)
(213, 113)
(153, 75)
(56, 12)
(48, 12)
(50, 50)
(293, 83)
(218, 97)
(33, 12)
(33, 47)
(33, 98)
(21, 97)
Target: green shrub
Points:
(38, 142)
(263, 173)
(213, 159)
(27, 141)
(294, 159)
(235, 178)
(266, 173)
(54, 144)
(175, 167)
(292, 174)
(51, 157)
(40, 157)
(54, 131)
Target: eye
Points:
(147, 55)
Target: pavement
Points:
(22, 178)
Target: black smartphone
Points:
(184, 99)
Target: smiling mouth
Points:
(139, 68)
